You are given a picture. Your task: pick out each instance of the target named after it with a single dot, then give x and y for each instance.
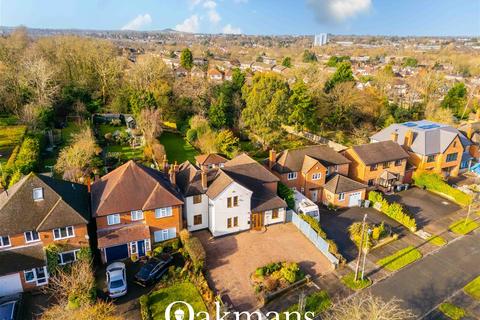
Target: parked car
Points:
(116, 280)
(10, 307)
(153, 269)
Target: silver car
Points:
(116, 280)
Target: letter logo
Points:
(179, 314)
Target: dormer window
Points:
(38, 194)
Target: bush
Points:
(145, 307)
(28, 155)
(286, 194)
(173, 244)
(315, 225)
(271, 284)
(291, 272)
(394, 210)
(452, 311)
(196, 252)
(434, 182)
(184, 235)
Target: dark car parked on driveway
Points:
(11, 307)
(153, 269)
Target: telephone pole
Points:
(360, 248)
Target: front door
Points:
(314, 194)
(257, 220)
(141, 248)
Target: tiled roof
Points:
(379, 152)
(22, 258)
(339, 183)
(117, 236)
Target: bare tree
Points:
(367, 306)
(39, 75)
(150, 123)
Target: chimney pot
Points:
(173, 178)
(204, 179)
(469, 131)
(394, 136)
(272, 158)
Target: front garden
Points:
(275, 276)
(375, 235)
(433, 182)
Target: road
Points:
(425, 284)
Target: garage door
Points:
(10, 284)
(116, 253)
(354, 198)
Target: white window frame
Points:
(37, 197)
(316, 176)
(115, 217)
(71, 235)
(148, 245)
(75, 256)
(31, 233)
(133, 244)
(35, 279)
(341, 196)
(163, 212)
(2, 244)
(136, 215)
(292, 175)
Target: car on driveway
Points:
(10, 307)
(116, 280)
(153, 269)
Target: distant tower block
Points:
(320, 39)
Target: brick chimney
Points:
(165, 164)
(89, 184)
(394, 136)
(272, 158)
(469, 131)
(175, 167)
(408, 139)
(173, 176)
(204, 179)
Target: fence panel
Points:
(313, 236)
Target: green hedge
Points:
(286, 194)
(195, 250)
(394, 210)
(434, 182)
(145, 307)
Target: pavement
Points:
(423, 285)
(232, 259)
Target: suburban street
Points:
(427, 283)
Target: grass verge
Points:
(437, 241)
(186, 291)
(473, 288)
(349, 281)
(400, 258)
(317, 303)
(452, 311)
(460, 227)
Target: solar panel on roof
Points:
(410, 124)
(429, 126)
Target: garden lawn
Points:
(126, 152)
(452, 311)
(317, 302)
(473, 288)
(186, 291)
(460, 227)
(68, 132)
(177, 148)
(360, 284)
(10, 136)
(400, 258)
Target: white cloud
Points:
(138, 22)
(190, 24)
(328, 11)
(214, 17)
(232, 30)
(210, 4)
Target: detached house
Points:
(431, 146)
(36, 212)
(308, 169)
(238, 196)
(210, 161)
(133, 207)
(380, 165)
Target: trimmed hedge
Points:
(195, 250)
(394, 210)
(434, 182)
(145, 307)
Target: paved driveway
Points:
(231, 259)
(335, 225)
(426, 206)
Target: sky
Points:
(272, 17)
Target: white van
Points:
(303, 205)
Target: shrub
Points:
(28, 155)
(452, 311)
(314, 224)
(434, 182)
(196, 252)
(184, 235)
(145, 307)
(271, 284)
(290, 271)
(286, 194)
(173, 244)
(394, 210)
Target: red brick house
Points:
(36, 212)
(134, 207)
